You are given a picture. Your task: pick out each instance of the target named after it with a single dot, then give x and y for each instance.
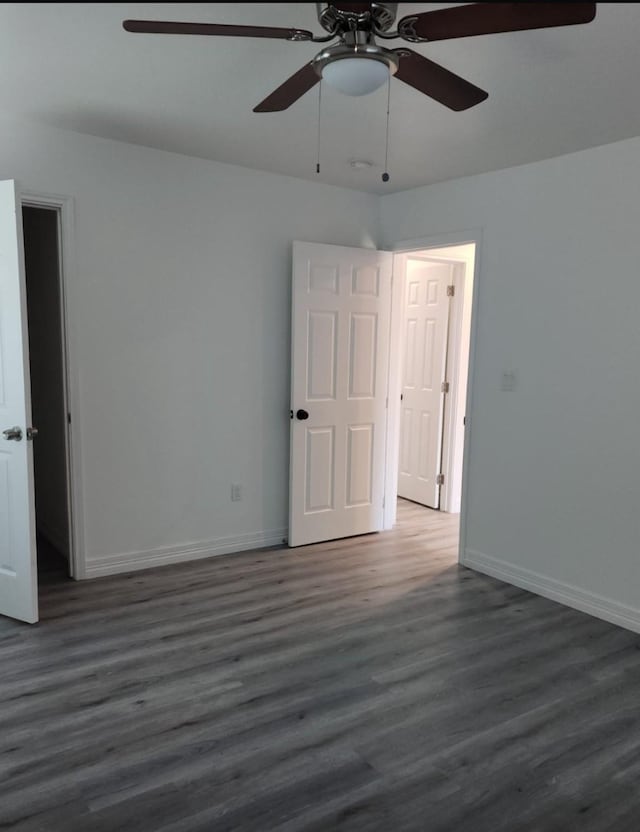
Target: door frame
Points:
(64, 208)
(404, 247)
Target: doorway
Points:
(47, 366)
(435, 298)
(348, 325)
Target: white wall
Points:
(179, 311)
(179, 306)
(554, 468)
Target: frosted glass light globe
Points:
(356, 76)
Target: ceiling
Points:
(550, 91)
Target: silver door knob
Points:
(14, 433)
(32, 433)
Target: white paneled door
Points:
(424, 359)
(340, 355)
(18, 570)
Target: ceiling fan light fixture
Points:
(356, 69)
(356, 76)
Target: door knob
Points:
(302, 415)
(32, 433)
(14, 433)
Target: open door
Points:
(424, 383)
(18, 564)
(340, 361)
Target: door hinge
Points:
(451, 291)
(386, 404)
(444, 387)
(440, 479)
(68, 418)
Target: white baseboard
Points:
(572, 596)
(131, 561)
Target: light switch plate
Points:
(509, 381)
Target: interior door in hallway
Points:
(340, 360)
(424, 366)
(18, 567)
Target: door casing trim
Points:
(64, 206)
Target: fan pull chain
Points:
(319, 114)
(385, 175)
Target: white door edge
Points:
(18, 552)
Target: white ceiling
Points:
(550, 91)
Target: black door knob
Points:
(302, 415)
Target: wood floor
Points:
(366, 684)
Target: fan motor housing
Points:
(336, 16)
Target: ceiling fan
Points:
(357, 65)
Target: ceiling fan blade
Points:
(437, 82)
(489, 18)
(163, 27)
(289, 92)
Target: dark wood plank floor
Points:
(367, 684)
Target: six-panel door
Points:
(340, 343)
(425, 335)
